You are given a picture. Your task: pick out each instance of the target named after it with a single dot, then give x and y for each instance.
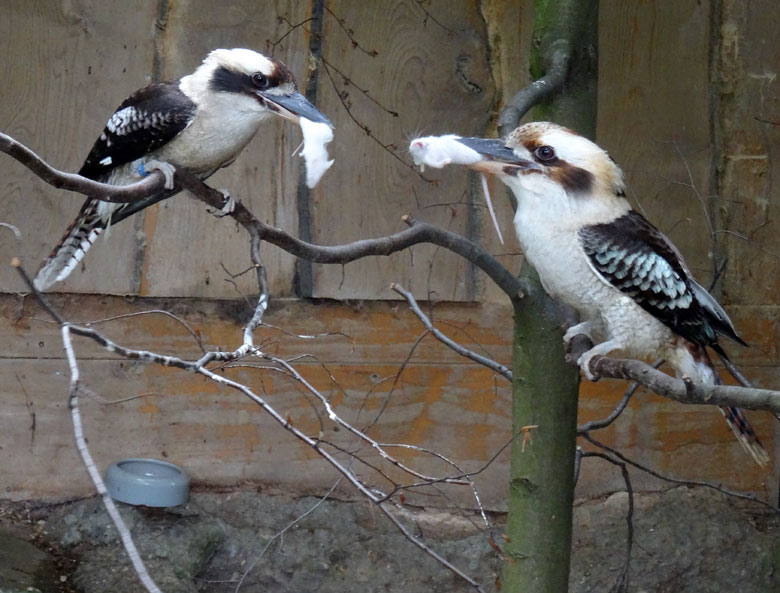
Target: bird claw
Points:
(583, 328)
(584, 363)
(228, 206)
(168, 171)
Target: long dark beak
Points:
(498, 157)
(294, 106)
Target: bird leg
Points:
(168, 171)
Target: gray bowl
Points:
(149, 482)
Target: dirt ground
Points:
(684, 540)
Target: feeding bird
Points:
(628, 282)
(202, 123)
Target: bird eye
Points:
(260, 81)
(545, 153)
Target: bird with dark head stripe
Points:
(201, 122)
(628, 282)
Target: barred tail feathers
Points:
(745, 434)
(73, 246)
(736, 420)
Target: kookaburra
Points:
(202, 122)
(628, 282)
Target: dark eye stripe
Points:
(229, 81)
(572, 179)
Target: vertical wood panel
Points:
(66, 66)
(654, 118)
(750, 163)
(434, 75)
(186, 244)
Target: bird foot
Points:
(584, 363)
(228, 206)
(599, 350)
(583, 328)
(166, 169)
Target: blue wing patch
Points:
(633, 256)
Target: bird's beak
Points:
(293, 106)
(498, 158)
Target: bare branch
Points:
(81, 442)
(621, 586)
(375, 496)
(350, 33)
(683, 391)
(72, 182)
(483, 360)
(94, 473)
(418, 232)
(284, 530)
(421, 544)
(532, 94)
(13, 229)
(597, 424)
(660, 476)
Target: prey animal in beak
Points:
(292, 106)
(486, 155)
(316, 128)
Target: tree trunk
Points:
(545, 388)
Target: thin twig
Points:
(351, 34)
(671, 480)
(284, 530)
(385, 507)
(463, 351)
(621, 586)
(386, 147)
(598, 424)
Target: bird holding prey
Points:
(628, 282)
(201, 122)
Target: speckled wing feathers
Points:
(633, 256)
(145, 121)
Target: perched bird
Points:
(202, 122)
(628, 282)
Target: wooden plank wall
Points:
(408, 73)
(443, 67)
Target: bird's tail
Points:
(734, 417)
(78, 238)
(745, 434)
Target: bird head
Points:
(263, 85)
(545, 159)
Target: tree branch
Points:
(538, 90)
(142, 193)
(418, 232)
(684, 391)
(72, 182)
(452, 344)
